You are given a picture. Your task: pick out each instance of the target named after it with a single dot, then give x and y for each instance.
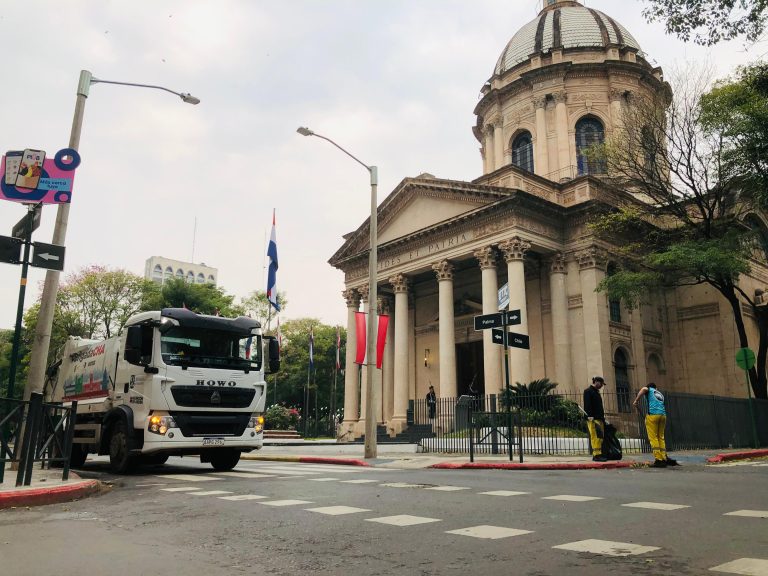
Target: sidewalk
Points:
(47, 488)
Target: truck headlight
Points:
(257, 423)
(161, 424)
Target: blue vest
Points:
(656, 402)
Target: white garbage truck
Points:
(174, 383)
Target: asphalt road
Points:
(288, 518)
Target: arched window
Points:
(201, 278)
(589, 132)
(190, 277)
(522, 151)
(211, 279)
(621, 369)
(157, 273)
(168, 274)
(180, 274)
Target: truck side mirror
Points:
(274, 355)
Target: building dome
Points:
(563, 25)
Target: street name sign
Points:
(503, 296)
(10, 250)
(503, 318)
(514, 339)
(33, 216)
(50, 256)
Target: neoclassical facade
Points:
(446, 247)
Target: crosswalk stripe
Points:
(655, 506)
(322, 479)
(285, 502)
(358, 481)
(489, 532)
(402, 485)
(606, 547)
(749, 513)
(746, 566)
(403, 520)
(503, 493)
(337, 510)
(188, 477)
(180, 489)
(239, 497)
(243, 475)
(447, 488)
(571, 498)
(210, 493)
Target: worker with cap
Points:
(593, 406)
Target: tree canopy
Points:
(710, 21)
(200, 298)
(257, 306)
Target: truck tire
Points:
(223, 460)
(155, 459)
(121, 461)
(77, 456)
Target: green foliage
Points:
(6, 348)
(281, 418)
(710, 21)
(257, 306)
(200, 298)
(535, 395)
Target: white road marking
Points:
(323, 479)
(571, 498)
(337, 510)
(761, 465)
(606, 547)
(289, 472)
(746, 566)
(403, 485)
(447, 488)
(285, 502)
(188, 477)
(210, 493)
(655, 505)
(243, 475)
(504, 493)
(239, 497)
(402, 520)
(358, 481)
(180, 489)
(749, 513)
(147, 485)
(488, 532)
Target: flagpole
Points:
(306, 402)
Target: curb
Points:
(532, 466)
(43, 496)
(309, 460)
(728, 456)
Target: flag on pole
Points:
(311, 349)
(272, 275)
(338, 348)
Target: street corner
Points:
(737, 456)
(587, 465)
(76, 489)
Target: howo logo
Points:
(216, 383)
(216, 397)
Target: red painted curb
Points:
(42, 496)
(339, 461)
(746, 455)
(552, 466)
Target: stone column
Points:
(363, 372)
(561, 334)
(490, 162)
(617, 98)
(563, 140)
(400, 286)
(351, 370)
(542, 147)
(498, 143)
(597, 340)
(514, 251)
(447, 339)
(491, 352)
(388, 366)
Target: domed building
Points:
(449, 250)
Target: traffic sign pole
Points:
(20, 308)
(745, 359)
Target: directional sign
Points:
(514, 339)
(503, 296)
(49, 256)
(33, 216)
(513, 317)
(489, 321)
(10, 250)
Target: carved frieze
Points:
(700, 311)
(575, 301)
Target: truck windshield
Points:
(182, 346)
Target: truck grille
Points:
(212, 397)
(211, 424)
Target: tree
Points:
(201, 298)
(710, 21)
(688, 220)
(258, 307)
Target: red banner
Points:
(360, 331)
(381, 339)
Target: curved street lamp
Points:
(42, 339)
(370, 414)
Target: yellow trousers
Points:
(596, 427)
(654, 425)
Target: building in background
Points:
(161, 269)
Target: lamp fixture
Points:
(426, 357)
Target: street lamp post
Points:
(42, 340)
(370, 412)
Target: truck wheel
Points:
(223, 460)
(77, 456)
(155, 459)
(121, 460)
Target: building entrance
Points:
(469, 368)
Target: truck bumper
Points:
(178, 444)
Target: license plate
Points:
(213, 441)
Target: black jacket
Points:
(593, 403)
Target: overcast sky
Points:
(393, 81)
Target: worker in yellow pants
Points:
(596, 432)
(593, 408)
(655, 423)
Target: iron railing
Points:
(35, 431)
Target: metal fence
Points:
(35, 431)
(554, 424)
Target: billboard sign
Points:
(50, 183)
